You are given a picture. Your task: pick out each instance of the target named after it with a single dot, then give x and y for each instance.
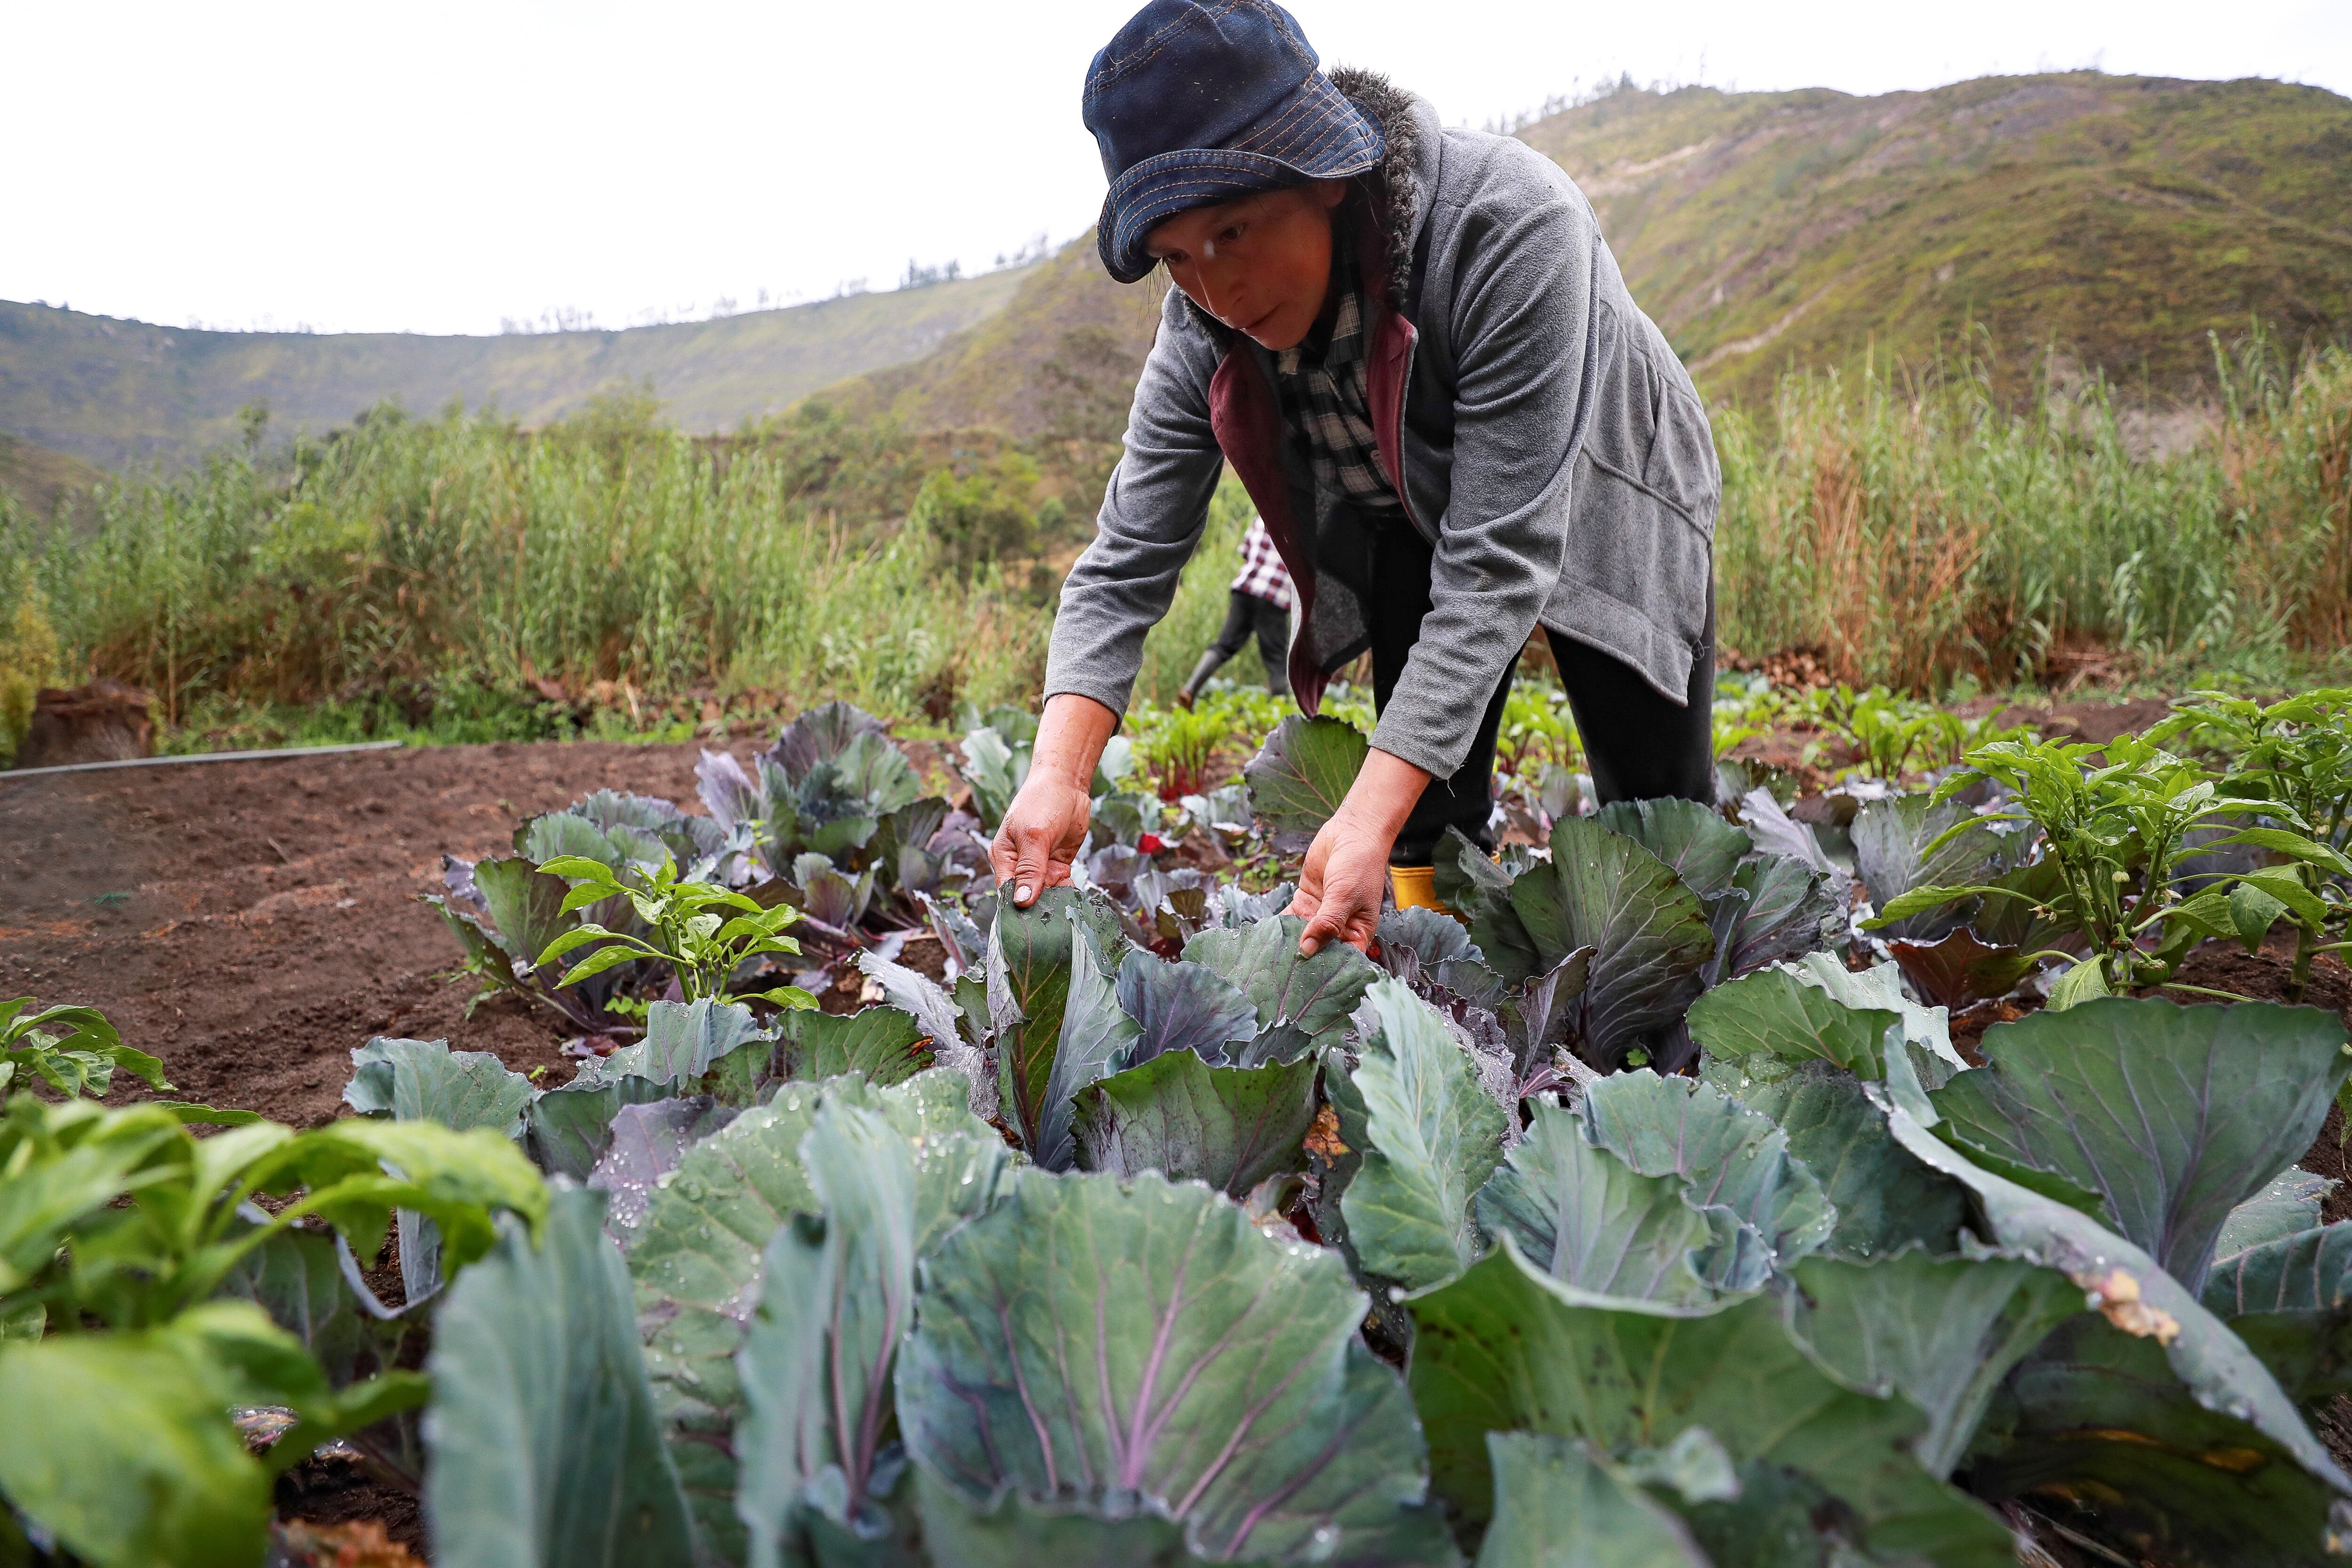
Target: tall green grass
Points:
(424, 564)
(459, 549)
(1912, 529)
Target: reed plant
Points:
(1914, 528)
(29, 644)
(459, 554)
(460, 548)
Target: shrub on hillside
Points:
(987, 515)
(28, 661)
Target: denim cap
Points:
(1195, 102)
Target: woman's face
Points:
(1260, 264)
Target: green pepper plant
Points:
(705, 932)
(2296, 756)
(2113, 820)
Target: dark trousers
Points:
(1639, 745)
(1247, 615)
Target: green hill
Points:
(40, 479)
(117, 393)
(2120, 218)
(1068, 323)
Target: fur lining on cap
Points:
(1390, 107)
(1398, 189)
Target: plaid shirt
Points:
(1326, 397)
(1263, 574)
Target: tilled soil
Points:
(251, 922)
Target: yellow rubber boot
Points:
(1415, 888)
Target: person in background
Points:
(1260, 603)
(1413, 347)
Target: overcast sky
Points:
(440, 168)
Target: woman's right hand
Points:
(1046, 826)
(1042, 833)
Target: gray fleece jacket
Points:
(1552, 450)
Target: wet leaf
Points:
(1314, 996)
(1559, 1505)
(1943, 1332)
(1693, 840)
(648, 1141)
(1231, 1127)
(883, 1044)
(2103, 1416)
(568, 1129)
(2290, 1300)
(1028, 989)
(1775, 1014)
(2149, 1398)
(1588, 1219)
(1891, 851)
(1725, 1155)
(1097, 1039)
(526, 905)
(684, 1040)
(1506, 1347)
(426, 1080)
(837, 1298)
(2288, 1207)
(1958, 969)
(1648, 934)
(1786, 909)
(1183, 1006)
(1885, 1199)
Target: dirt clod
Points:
(105, 722)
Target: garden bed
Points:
(253, 924)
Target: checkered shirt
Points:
(1327, 397)
(1263, 577)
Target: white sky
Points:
(436, 167)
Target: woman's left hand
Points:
(1346, 877)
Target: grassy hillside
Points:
(2119, 218)
(116, 392)
(1023, 368)
(1919, 534)
(39, 479)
